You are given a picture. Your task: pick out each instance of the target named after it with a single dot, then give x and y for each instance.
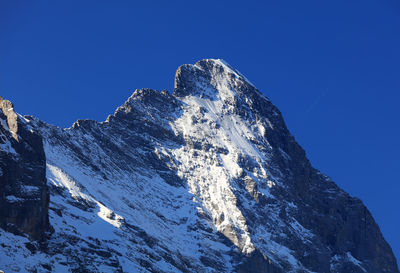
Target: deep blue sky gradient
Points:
(332, 68)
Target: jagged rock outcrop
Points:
(24, 197)
(206, 179)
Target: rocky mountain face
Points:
(24, 195)
(206, 179)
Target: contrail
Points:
(317, 100)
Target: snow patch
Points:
(14, 199)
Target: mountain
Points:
(206, 179)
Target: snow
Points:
(163, 211)
(207, 178)
(355, 261)
(210, 175)
(7, 147)
(338, 260)
(131, 211)
(232, 70)
(4, 124)
(271, 184)
(15, 257)
(13, 199)
(29, 189)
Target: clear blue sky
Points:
(332, 67)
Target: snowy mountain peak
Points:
(215, 79)
(208, 179)
(208, 77)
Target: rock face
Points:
(208, 179)
(24, 196)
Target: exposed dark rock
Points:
(258, 263)
(24, 196)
